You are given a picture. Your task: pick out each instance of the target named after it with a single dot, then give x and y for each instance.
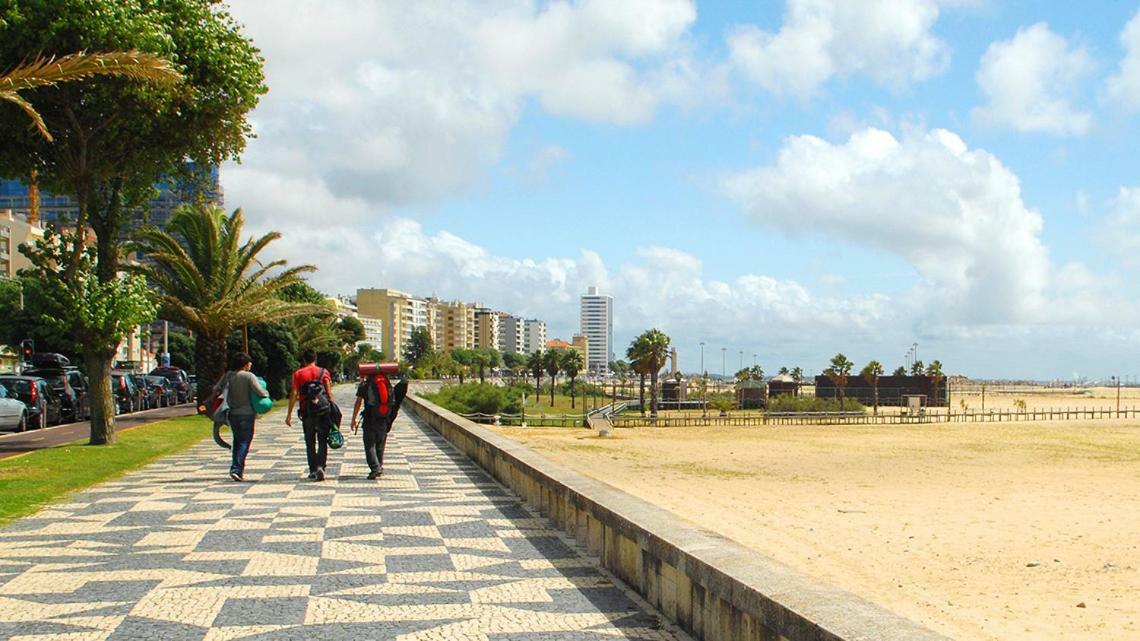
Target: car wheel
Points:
(23, 424)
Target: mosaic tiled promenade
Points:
(433, 550)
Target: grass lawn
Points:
(30, 481)
(561, 403)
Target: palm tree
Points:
(636, 353)
(656, 350)
(211, 283)
(871, 373)
(934, 371)
(899, 371)
(797, 374)
(837, 373)
(463, 358)
(620, 369)
(484, 358)
(552, 362)
(572, 364)
(537, 366)
(44, 72)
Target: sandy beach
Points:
(979, 531)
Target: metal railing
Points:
(859, 418)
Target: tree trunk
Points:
(98, 366)
(571, 392)
(537, 385)
(210, 360)
(641, 394)
(653, 395)
(876, 397)
(481, 380)
(552, 379)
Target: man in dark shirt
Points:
(375, 394)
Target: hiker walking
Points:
(241, 388)
(312, 388)
(375, 394)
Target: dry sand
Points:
(979, 531)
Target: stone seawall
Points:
(711, 586)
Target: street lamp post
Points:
(1117, 379)
(741, 359)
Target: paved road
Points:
(13, 444)
(435, 549)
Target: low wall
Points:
(711, 586)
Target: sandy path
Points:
(979, 531)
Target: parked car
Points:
(127, 397)
(13, 412)
(165, 393)
(179, 378)
(74, 402)
(44, 407)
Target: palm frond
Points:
(42, 72)
(37, 120)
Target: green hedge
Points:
(812, 404)
(476, 398)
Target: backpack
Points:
(314, 399)
(377, 397)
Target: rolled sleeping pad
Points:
(368, 369)
(260, 405)
(218, 436)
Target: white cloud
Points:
(400, 103)
(889, 41)
(955, 214)
(1124, 86)
(545, 161)
(1120, 232)
(1031, 81)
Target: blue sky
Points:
(789, 179)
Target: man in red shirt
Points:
(316, 428)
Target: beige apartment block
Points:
(453, 325)
(581, 343)
(486, 329)
(399, 313)
(13, 233)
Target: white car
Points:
(13, 412)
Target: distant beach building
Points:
(597, 325)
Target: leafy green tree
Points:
(536, 363)
(181, 350)
(351, 331)
(871, 373)
(653, 352)
(899, 371)
(572, 364)
(934, 371)
(917, 368)
(464, 359)
(483, 359)
(515, 363)
(552, 363)
(116, 137)
(837, 372)
(84, 309)
(212, 283)
(637, 355)
(47, 72)
(274, 352)
(620, 369)
(21, 319)
(418, 346)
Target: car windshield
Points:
(157, 380)
(170, 374)
(17, 385)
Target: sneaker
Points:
(313, 475)
(235, 476)
(372, 476)
(320, 474)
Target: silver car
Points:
(13, 412)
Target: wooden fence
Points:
(858, 418)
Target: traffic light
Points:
(27, 349)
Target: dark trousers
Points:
(375, 438)
(316, 441)
(242, 429)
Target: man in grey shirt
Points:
(242, 385)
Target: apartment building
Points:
(486, 328)
(534, 336)
(511, 337)
(597, 324)
(399, 314)
(15, 231)
(453, 325)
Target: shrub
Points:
(478, 398)
(812, 404)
